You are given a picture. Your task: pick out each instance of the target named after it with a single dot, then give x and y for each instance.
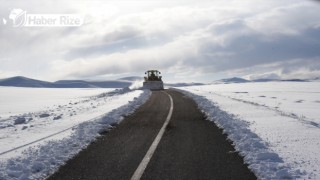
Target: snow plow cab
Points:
(153, 80)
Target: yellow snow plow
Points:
(153, 80)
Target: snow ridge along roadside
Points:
(261, 160)
(42, 161)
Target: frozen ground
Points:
(274, 125)
(41, 128)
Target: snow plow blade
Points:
(153, 85)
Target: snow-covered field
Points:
(41, 128)
(274, 125)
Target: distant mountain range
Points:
(240, 80)
(20, 81)
(230, 80)
(183, 84)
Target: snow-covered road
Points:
(275, 125)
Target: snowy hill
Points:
(230, 80)
(316, 79)
(264, 80)
(131, 78)
(20, 81)
(278, 80)
(92, 84)
(182, 84)
(241, 80)
(72, 84)
(295, 80)
(111, 84)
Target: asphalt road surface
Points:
(191, 147)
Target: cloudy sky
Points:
(188, 41)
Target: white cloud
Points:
(286, 20)
(290, 69)
(269, 75)
(180, 38)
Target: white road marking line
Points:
(144, 163)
